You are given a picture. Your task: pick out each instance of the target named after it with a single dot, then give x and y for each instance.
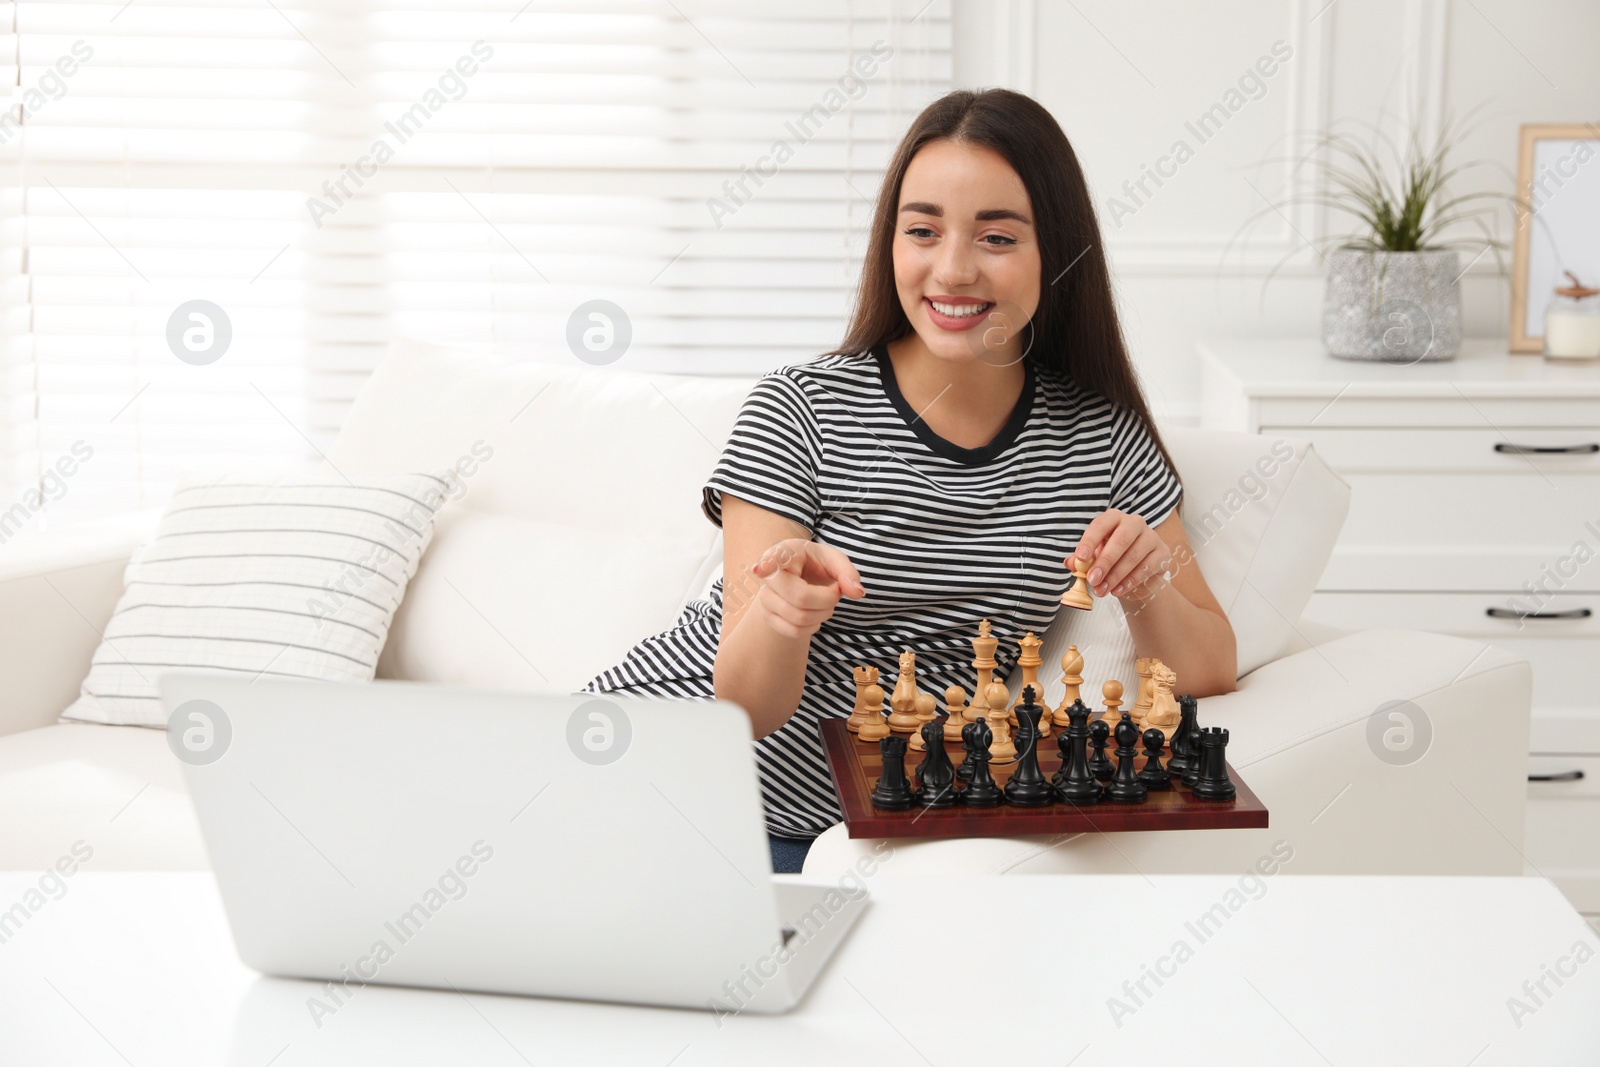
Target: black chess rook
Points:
(1213, 782)
(893, 792)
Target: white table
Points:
(138, 968)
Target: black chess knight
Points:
(1184, 753)
(936, 776)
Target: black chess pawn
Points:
(1027, 787)
(936, 775)
(1213, 782)
(893, 792)
(981, 792)
(1073, 782)
(1125, 787)
(1182, 743)
(1152, 774)
(1099, 766)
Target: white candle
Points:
(1569, 335)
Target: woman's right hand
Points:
(801, 583)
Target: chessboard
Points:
(1000, 767)
(856, 766)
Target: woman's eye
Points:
(919, 231)
(998, 238)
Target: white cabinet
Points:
(1474, 511)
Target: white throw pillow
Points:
(296, 579)
(580, 524)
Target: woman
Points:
(981, 419)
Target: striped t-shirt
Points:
(943, 536)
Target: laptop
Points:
(597, 847)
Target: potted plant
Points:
(1393, 291)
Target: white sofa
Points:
(582, 533)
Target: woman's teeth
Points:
(959, 311)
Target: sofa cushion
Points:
(295, 578)
(579, 525)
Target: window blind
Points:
(306, 179)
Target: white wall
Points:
(1124, 78)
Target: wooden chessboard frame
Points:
(856, 764)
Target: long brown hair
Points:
(1076, 333)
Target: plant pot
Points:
(1397, 307)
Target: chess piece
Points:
(1030, 663)
(1111, 697)
(983, 647)
(1181, 740)
(865, 676)
(1027, 787)
(1164, 714)
(1072, 678)
(875, 728)
(1078, 593)
(981, 792)
(969, 746)
(998, 701)
(1213, 782)
(1125, 787)
(936, 776)
(903, 719)
(955, 708)
(893, 792)
(927, 706)
(914, 743)
(1191, 773)
(1074, 783)
(1141, 704)
(999, 718)
(1099, 766)
(1154, 776)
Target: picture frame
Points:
(1557, 221)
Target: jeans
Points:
(788, 853)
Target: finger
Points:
(1143, 559)
(786, 618)
(1094, 536)
(801, 594)
(1138, 566)
(782, 556)
(835, 565)
(1110, 559)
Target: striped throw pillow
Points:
(298, 579)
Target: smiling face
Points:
(966, 258)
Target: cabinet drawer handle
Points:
(1526, 450)
(1564, 776)
(1506, 613)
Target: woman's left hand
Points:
(1124, 554)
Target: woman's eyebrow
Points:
(922, 207)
